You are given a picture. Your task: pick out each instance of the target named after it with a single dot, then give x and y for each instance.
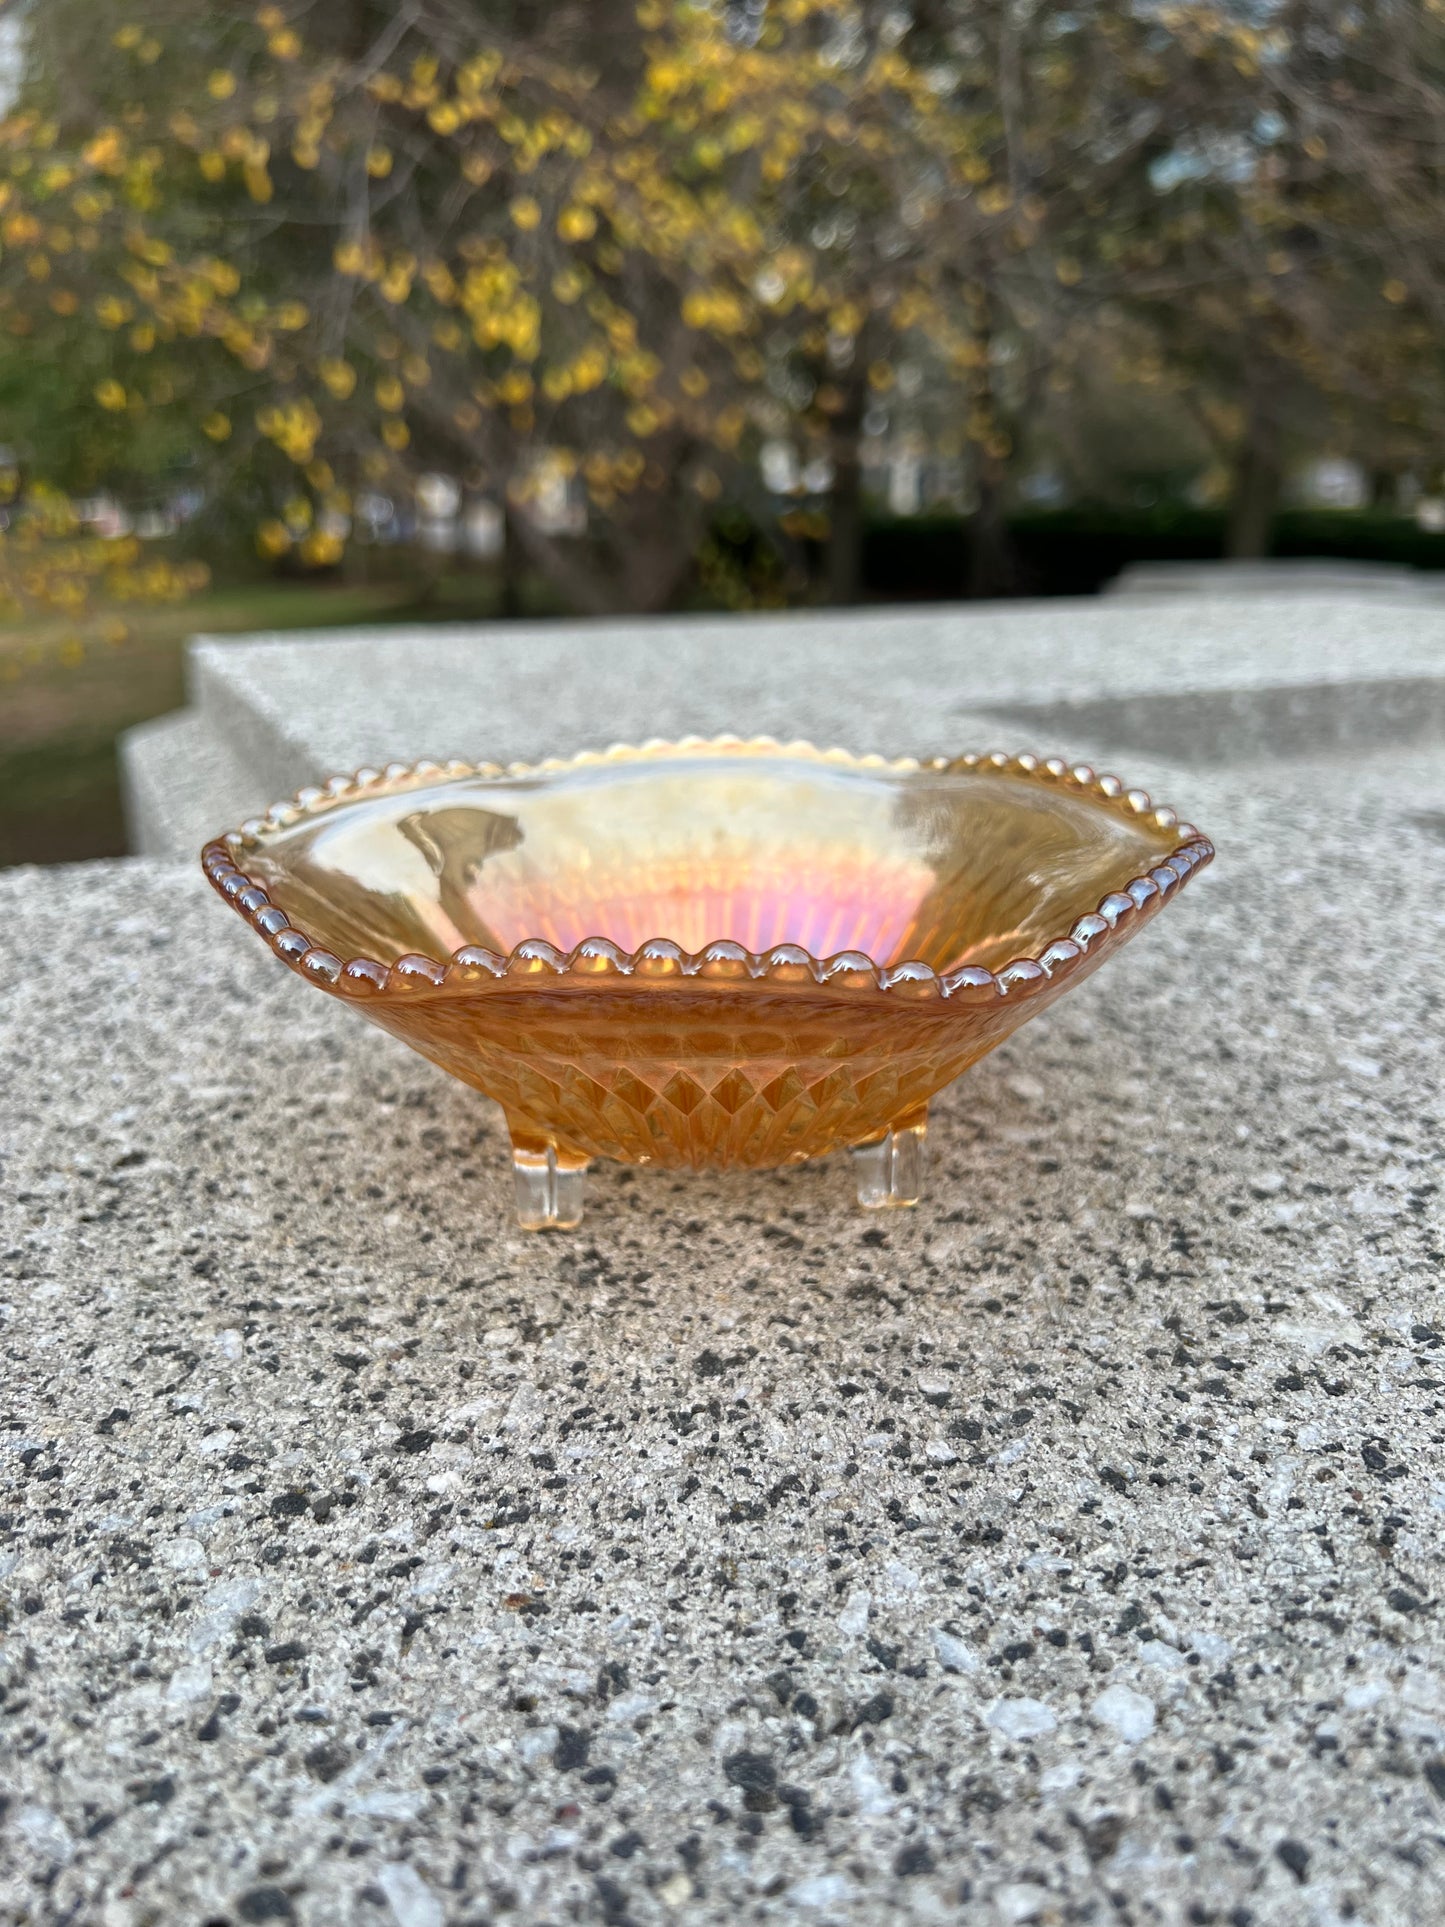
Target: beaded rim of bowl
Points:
(660, 961)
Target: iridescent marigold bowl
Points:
(706, 954)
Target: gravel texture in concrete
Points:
(1068, 1550)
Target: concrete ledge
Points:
(1290, 721)
(181, 783)
(1078, 1533)
(1181, 682)
(1310, 577)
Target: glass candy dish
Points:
(706, 954)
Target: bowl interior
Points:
(971, 866)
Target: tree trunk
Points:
(990, 561)
(513, 565)
(636, 564)
(990, 558)
(1256, 488)
(653, 573)
(845, 523)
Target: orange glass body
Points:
(706, 954)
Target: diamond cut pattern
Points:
(662, 1083)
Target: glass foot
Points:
(551, 1184)
(890, 1170)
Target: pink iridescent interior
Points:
(763, 847)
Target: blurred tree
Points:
(1282, 241)
(590, 258)
(585, 257)
(1062, 110)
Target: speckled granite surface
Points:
(1068, 1550)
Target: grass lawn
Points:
(59, 717)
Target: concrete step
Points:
(181, 783)
(1304, 576)
(1184, 682)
